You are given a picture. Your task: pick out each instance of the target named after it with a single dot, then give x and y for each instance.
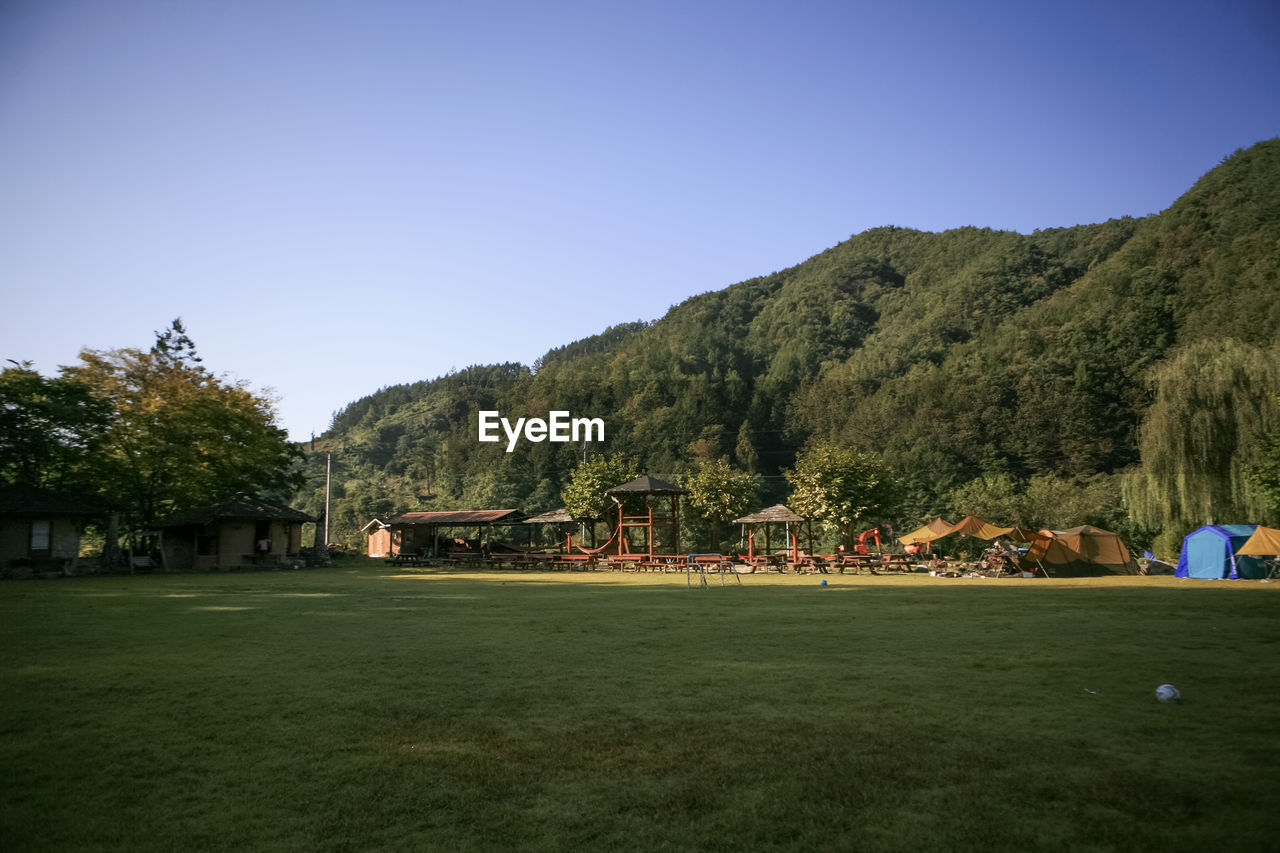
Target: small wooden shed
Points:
(379, 533)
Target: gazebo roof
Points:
(777, 513)
(646, 485)
(555, 516)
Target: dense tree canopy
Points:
(51, 430)
(179, 436)
(718, 493)
(842, 488)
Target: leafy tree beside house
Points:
(177, 435)
(51, 430)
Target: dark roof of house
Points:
(23, 500)
(646, 485)
(243, 507)
(777, 513)
(459, 517)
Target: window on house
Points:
(41, 534)
(206, 546)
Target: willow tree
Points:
(1198, 439)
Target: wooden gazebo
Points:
(558, 517)
(648, 488)
(777, 514)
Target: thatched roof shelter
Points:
(555, 516)
(777, 513)
(646, 485)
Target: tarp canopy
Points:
(928, 533)
(1210, 552)
(970, 525)
(973, 526)
(1080, 552)
(1265, 542)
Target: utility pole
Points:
(328, 471)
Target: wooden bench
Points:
(626, 562)
(575, 562)
(815, 563)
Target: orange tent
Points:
(1080, 551)
(1264, 542)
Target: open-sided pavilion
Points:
(416, 533)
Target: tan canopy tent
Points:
(970, 525)
(1079, 552)
(1264, 542)
(928, 533)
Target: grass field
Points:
(360, 708)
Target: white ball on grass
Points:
(1167, 693)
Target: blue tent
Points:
(1210, 553)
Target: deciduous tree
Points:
(584, 495)
(179, 435)
(718, 493)
(841, 487)
(50, 430)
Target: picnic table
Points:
(574, 562)
(415, 558)
(875, 562)
(765, 562)
(813, 563)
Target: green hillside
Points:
(996, 372)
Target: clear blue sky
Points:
(337, 196)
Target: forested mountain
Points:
(993, 371)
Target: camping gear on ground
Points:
(1210, 552)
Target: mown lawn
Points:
(359, 708)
